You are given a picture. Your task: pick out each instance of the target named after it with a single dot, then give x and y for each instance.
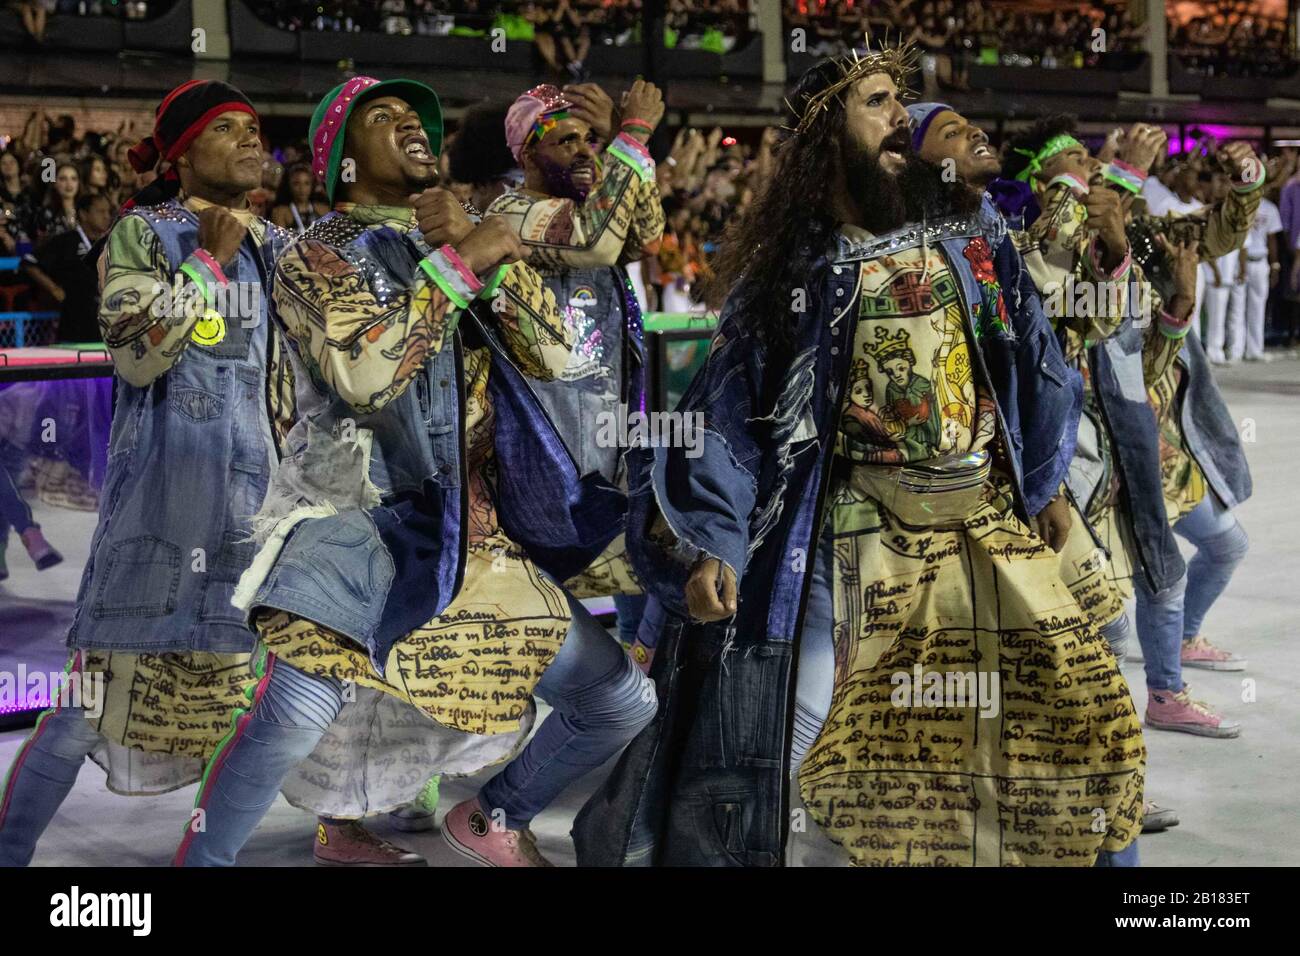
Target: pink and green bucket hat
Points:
(330, 120)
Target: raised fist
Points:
(220, 233)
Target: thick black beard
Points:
(559, 181)
(918, 191)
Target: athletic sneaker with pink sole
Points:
(1169, 710)
(469, 831)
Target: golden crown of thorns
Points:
(899, 61)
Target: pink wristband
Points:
(213, 266)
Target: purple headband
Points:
(921, 115)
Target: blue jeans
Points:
(291, 711)
(815, 678)
(14, 511)
(1125, 857)
(1167, 618)
(40, 779)
(600, 701)
(630, 609)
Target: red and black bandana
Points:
(182, 115)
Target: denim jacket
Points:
(190, 453)
(369, 509)
(1209, 431)
(706, 783)
(608, 342)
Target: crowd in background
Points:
(563, 31)
(34, 15)
(956, 33)
(1233, 38)
(1215, 37)
(51, 171)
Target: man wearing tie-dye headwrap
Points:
(589, 205)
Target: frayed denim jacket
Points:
(192, 445)
(366, 522)
(707, 782)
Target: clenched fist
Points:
(711, 591)
(440, 217)
(1245, 165)
(220, 233)
(1106, 219)
(489, 244)
(643, 102)
(593, 106)
(1141, 145)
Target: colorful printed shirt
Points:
(367, 350)
(1084, 302)
(620, 221)
(366, 344)
(1216, 231)
(911, 395)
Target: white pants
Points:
(1216, 302)
(1246, 313)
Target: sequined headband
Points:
(899, 62)
(1056, 144)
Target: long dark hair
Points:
(284, 194)
(788, 225)
(52, 199)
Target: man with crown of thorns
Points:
(871, 656)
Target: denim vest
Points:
(190, 456)
(601, 312)
(705, 784)
(375, 574)
(1208, 430)
(1121, 394)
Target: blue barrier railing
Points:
(20, 322)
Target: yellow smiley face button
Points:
(209, 329)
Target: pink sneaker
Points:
(39, 550)
(1167, 710)
(351, 844)
(468, 831)
(1198, 652)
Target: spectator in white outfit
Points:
(1258, 270)
(1219, 279)
(1178, 198)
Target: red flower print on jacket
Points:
(980, 257)
(993, 310)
